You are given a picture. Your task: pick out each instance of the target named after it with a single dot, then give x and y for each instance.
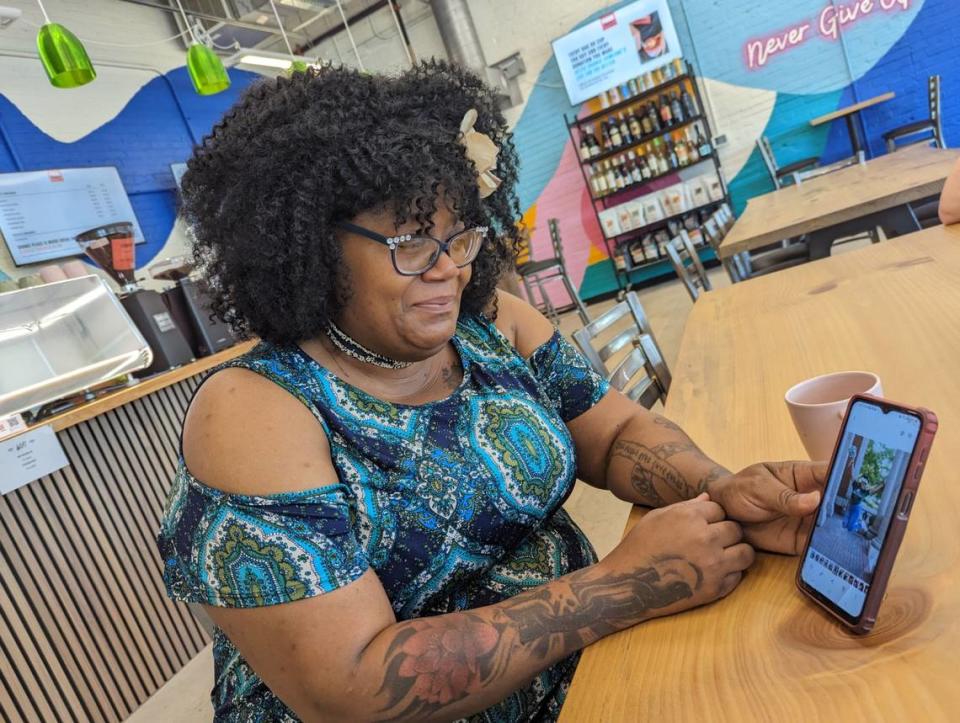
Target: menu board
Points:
(41, 212)
(615, 48)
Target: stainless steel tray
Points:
(61, 338)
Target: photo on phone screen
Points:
(859, 502)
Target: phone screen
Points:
(859, 502)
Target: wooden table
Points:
(851, 114)
(852, 195)
(765, 653)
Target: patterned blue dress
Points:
(455, 504)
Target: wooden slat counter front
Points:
(86, 630)
(765, 653)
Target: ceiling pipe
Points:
(459, 35)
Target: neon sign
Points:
(829, 24)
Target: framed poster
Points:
(615, 48)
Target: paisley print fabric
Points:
(454, 504)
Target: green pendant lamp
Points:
(63, 55)
(205, 67)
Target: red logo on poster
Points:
(55, 176)
(608, 21)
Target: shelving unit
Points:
(621, 243)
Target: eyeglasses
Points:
(415, 254)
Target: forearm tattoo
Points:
(653, 477)
(435, 662)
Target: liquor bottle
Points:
(636, 175)
(647, 81)
(614, 95)
(689, 105)
(604, 99)
(584, 147)
(645, 123)
(692, 153)
(601, 180)
(610, 177)
(663, 165)
(613, 131)
(636, 128)
(678, 67)
(598, 184)
(703, 144)
(604, 137)
(654, 118)
(672, 153)
(625, 91)
(595, 149)
(625, 130)
(642, 161)
(666, 115)
(676, 108)
(680, 147)
(632, 85)
(618, 174)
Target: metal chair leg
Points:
(548, 309)
(575, 297)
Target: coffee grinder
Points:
(111, 248)
(190, 307)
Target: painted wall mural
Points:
(765, 69)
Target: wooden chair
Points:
(538, 272)
(642, 375)
(932, 124)
(687, 264)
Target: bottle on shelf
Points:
(678, 66)
(596, 187)
(672, 154)
(604, 137)
(614, 94)
(645, 123)
(633, 123)
(610, 176)
(665, 113)
(680, 148)
(676, 108)
(692, 153)
(645, 171)
(636, 175)
(613, 133)
(584, 146)
(618, 174)
(703, 144)
(654, 118)
(604, 99)
(663, 165)
(595, 149)
(632, 85)
(602, 180)
(689, 105)
(624, 127)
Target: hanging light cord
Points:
(280, 24)
(185, 20)
(346, 26)
(114, 45)
(46, 17)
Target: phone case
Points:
(898, 524)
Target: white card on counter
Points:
(28, 457)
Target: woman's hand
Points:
(681, 556)
(774, 502)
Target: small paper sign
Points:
(29, 457)
(12, 424)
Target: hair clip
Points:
(482, 151)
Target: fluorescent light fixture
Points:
(266, 59)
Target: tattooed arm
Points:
(640, 456)
(343, 656)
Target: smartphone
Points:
(871, 486)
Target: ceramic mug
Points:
(817, 407)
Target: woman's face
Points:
(403, 317)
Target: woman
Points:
(369, 503)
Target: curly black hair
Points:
(296, 155)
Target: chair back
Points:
(769, 160)
(641, 374)
(714, 231)
(725, 217)
(933, 94)
(524, 255)
(555, 240)
(686, 262)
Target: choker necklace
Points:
(351, 347)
